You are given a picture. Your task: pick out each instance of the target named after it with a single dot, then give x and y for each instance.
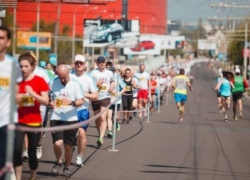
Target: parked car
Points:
(144, 45)
(107, 32)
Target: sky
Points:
(191, 10)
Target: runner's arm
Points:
(91, 96)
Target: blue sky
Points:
(192, 10)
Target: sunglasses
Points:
(79, 63)
(99, 62)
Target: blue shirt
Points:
(225, 88)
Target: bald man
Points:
(66, 97)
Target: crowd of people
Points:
(69, 95)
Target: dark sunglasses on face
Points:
(78, 63)
(99, 62)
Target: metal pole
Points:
(159, 95)
(115, 114)
(11, 131)
(37, 30)
(14, 34)
(245, 52)
(148, 109)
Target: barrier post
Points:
(115, 113)
(167, 96)
(11, 130)
(149, 103)
(159, 95)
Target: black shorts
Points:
(237, 95)
(218, 94)
(68, 136)
(3, 142)
(112, 107)
(225, 97)
(96, 105)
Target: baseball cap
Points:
(79, 57)
(237, 70)
(100, 58)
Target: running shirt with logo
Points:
(88, 86)
(121, 85)
(181, 84)
(28, 109)
(5, 93)
(73, 91)
(106, 77)
(143, 79)
(238, 84)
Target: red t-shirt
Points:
(29, 108)
(153, 83)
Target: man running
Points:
(90, 94)
(6, 63)
(104, 80)
(179, 84)
(239, 87)
(66, 96)
(144, 92)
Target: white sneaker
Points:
(25, 154)
(79, 161)
(39, 152)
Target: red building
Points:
(152, 14)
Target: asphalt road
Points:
(204, 147)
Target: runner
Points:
(179, 84)
(144, 92)
(67, 95)
(33, 91)
(5, 93)
(153, 92)
(127, 97)
(220, 77)
(224, 86)
(90, 94)
(104, 80)
(239, 88)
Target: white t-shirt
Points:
(73, 91)
(5, 82)
(121, 85)
(143, 79)
(106, 77)
(88, 86)
(38, 71)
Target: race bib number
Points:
(142, 79)
(128, 88)
(102, 87)
(4, 82)
(27, 101)
(58, 102)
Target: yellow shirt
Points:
(181, 84)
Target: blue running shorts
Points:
(83, 115)
(180, 97)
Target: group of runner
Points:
(70, 94)
(229, 84)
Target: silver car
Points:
(107, 33)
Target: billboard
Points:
(148, 45)
(28, 40)
(115, 33)
(204, 44)
(171, 42)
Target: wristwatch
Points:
(73, 103)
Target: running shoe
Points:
(130, 118)
(56, 168)
(140, 115)
(123, 121)
(225, 120)
(43, 135)
(79, 161)
(127, 121)
(118, 127)
(134, 114)
(235, 118)
(180, 120)
(240, 115)
(39, 152)
(110, 134)
(99, 142)
(25, 154)
(66, 171)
